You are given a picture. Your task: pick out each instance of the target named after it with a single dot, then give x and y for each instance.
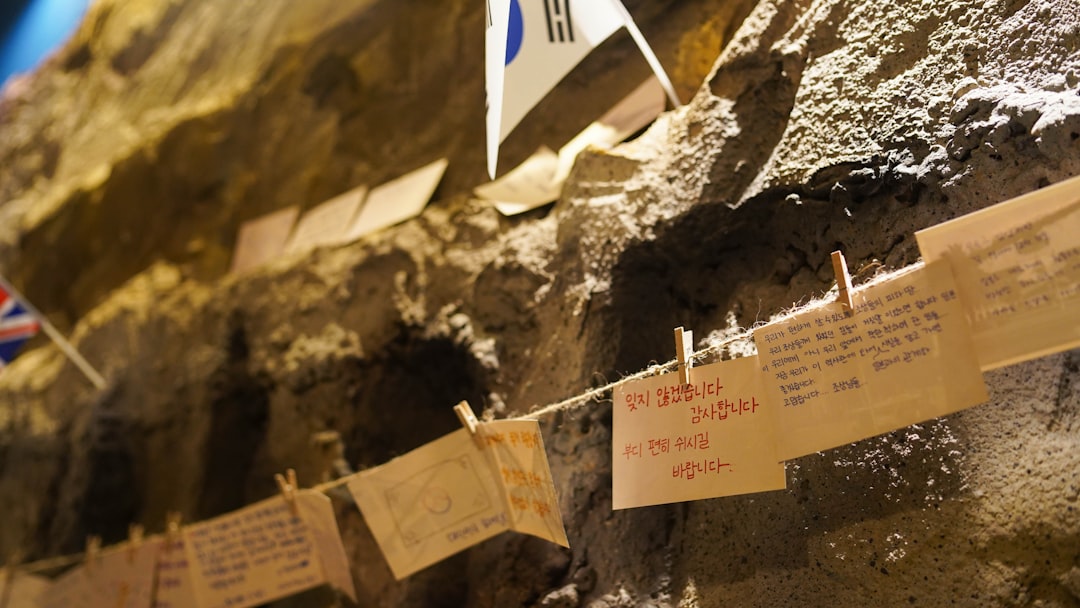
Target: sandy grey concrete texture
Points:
(129, 160)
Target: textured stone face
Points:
(128, 161)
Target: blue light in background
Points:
(27, 36)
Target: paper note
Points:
(528, 186)
(398, 200)
(629, 116)
(712, 437)
(174, 587)
(539, 180)
(122, 577)
(904, 356)
(265, 552)
(262, 239)
(528, 490)
(327, 223)
(69, 590)
(1017, 268)
(22, 589)
(456, 491)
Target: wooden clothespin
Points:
(469, 421)
(684, 347)
(135, 540)
(172, 528)
(93, 548)
(843, 281)
(288, 486)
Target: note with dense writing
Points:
(527, 186)
(22, 589)
(459, 490)
(904, 356)
(262, 239)
(174, 587)
(121, 576)
(265, 552)
(1017, 268)
(673, 442)
(397, 200)
(327, 223)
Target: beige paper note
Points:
(327, 223)
(431, 503)
(262, 239)
(528, 186)
(629, 116)
(121, 577)
(459, 490)
(905, 356)
(69, 590)
(1017, 268)
(713, 437)
(398, 200)
(174, 587)
(264, 552)
(22, 589)
(521, 464)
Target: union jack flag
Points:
(17, 326)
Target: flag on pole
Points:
(532, 44)
(17, 325)
(19, 321)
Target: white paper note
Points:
(398, 200)
(458, 490)
(265, 552)
(1017, 267)
(903, 357)
(709, 438)
(327, 223)
(174, 587)
(262, 239)
(528, 186)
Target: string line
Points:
(570, 403)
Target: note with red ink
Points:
(457, 491)
(1017, 269)
(267, 551)
(713, 437)
(904, 356)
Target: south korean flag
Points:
(531, 46)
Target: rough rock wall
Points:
(824, 124)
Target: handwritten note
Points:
(122, 577)
(457, 491)
(712, 437)
(1017, 268)
(22, 589)
(398, 200)
(327, 223)
(174, 586)
(904, 356)
(262, 239)
(527, 488)
(265, 552)
(528, 186)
